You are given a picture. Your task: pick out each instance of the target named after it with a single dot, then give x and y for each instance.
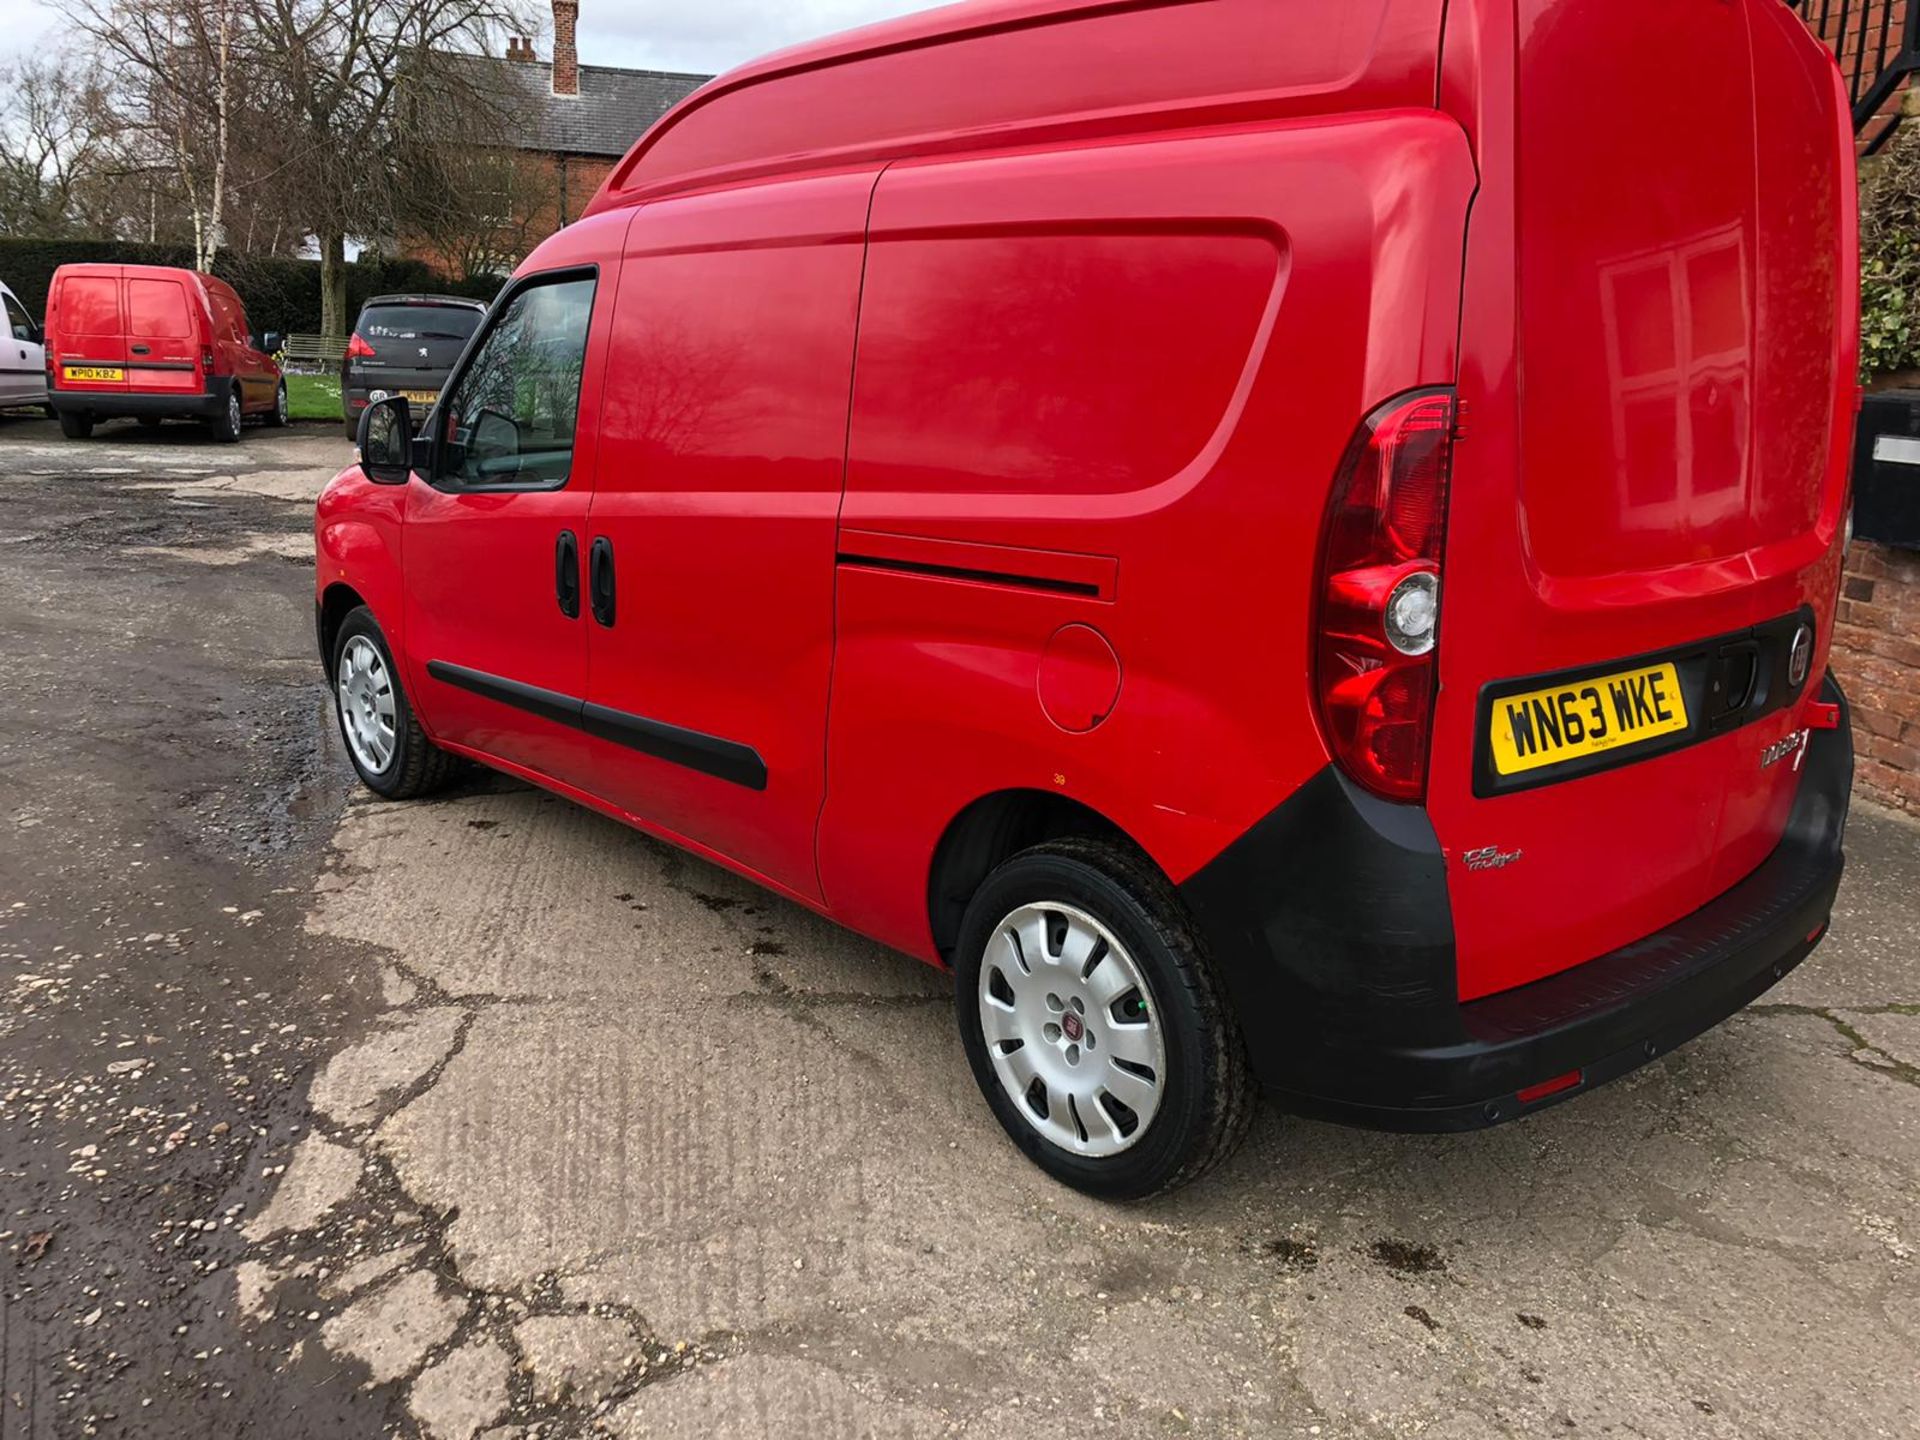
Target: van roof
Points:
(172, 272)
(987, 73)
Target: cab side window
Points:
(17, 321)
(510, 418)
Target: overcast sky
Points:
(701, 35)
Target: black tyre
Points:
(390, 752)
(1094, 1023)
(225, 426)
(277, 417)
(75, 424)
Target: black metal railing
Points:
(1877, 43)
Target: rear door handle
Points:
(566, 574)
(600, 580)
(142, 349)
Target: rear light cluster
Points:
(1379, 613)
(206, 360)
(358, 349)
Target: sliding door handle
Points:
(566, 574)
(600, 580)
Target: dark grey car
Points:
(405, 345)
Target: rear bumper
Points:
(114, 405)
(1330, 924)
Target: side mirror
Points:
(386, 441)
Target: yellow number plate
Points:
(94, 372)
(421, 397)
(1565, 722)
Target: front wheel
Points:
(278, 419)
(1094, 1024)
(390, 752)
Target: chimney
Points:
(566, 59)
(519, 47)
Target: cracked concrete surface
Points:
(517, 1125)
(704, 1165)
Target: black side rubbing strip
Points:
(958, 572)
(547, 704)
(709, 754)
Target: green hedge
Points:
(280, 295)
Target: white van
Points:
(23, 356)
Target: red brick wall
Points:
(1876, 654)
(1868, 53)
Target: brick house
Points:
(571, 124)
(582, 118)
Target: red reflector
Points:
(1817, 931)
(1550, 1087)
(1823, 715)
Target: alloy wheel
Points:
(365, 692)
(1071, 1029)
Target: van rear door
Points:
(88, 326)
(1658, 347)
(164, 336)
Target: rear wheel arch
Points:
(992, 830)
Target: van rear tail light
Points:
(1379, 610)
(206, 360)
(358, 349)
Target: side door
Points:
(495, 625)
(23, 374)
(713, 521)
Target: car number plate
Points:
(94, 372)
(1586, 717)
(421, 397)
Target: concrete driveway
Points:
(533, 1126)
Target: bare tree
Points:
(58, 138)
(478, 209)
(176, 67)
(361, 90)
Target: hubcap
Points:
(365, 692)
(1071, 1029)
(280, 404)
(233, 411)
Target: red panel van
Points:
(1262, 536)
(155, 343)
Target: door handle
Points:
(142, 349)
(566, 574)
(600, 579)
